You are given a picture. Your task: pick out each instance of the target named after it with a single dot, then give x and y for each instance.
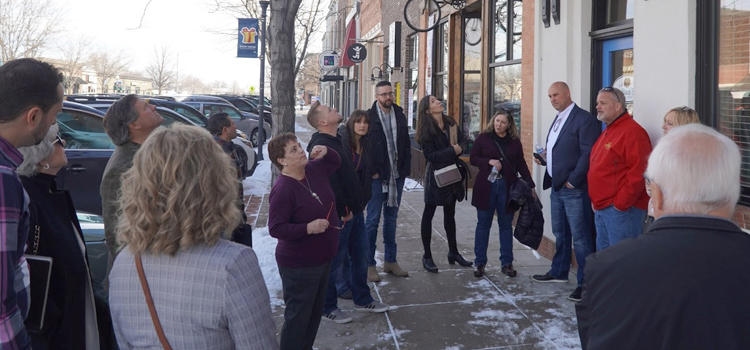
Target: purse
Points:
(518, 176)
(450, 174)
(40, 273)
(150, 303)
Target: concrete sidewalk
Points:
(452, 309)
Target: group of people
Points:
(170, 204)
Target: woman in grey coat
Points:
(178, 204)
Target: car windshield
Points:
(226, 109)
(191, 114)
(83, 131)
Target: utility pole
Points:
(261, 99)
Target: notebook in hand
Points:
(40, 271)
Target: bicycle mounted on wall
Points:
(426, 7)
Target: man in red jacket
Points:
(618, 160)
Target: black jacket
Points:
(439, 153)
(52, 210)
(344, 181)
(530, 223)
(365, 181)
(377, 145)
(680, 285)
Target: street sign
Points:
(332, 78)
(248, 37)
(356, 52)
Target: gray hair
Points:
(32, 155)
(697, 170)
(619, 96)
(119, 115)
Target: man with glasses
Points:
(615, 176)
(31, 95)
(389, 163)
(568, 148)
(683, 283)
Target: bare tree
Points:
(73, 60)
(26, 27)
(162, 77)
(193, 85)
(282, 55)
(309, 74)
(107, 67)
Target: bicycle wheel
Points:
(414, 10)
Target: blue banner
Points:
(248, 37)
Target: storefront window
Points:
(501, 31)
(505, 25)
(471, 121)
(412, 89)
(506, 91)
(734, 81)
(506, 69)
(619, 10)
(440, 64)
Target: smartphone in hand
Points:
(540, 159)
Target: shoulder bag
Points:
(516, 185)
(40, 273)
(150, 302)
(450, 174)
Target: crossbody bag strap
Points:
(150, 302)
(503, 154)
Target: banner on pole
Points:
(248, 37)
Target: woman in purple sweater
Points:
(302, 216)
(490, 197)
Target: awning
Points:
(349, 39)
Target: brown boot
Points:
(372, 274)
(394, 269)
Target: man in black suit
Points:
(569, 143)
(683, 283)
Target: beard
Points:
(39, 133)
(386, 104)
(600, 117)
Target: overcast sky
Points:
(189, 27)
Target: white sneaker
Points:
(374, 306)
(337, 316)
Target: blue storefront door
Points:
(617, 67)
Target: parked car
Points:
(249, 106)
(96, 250)
(243, 120)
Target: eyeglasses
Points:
(648, 184)
(607, 89)
(59, 140)
(330, 210)
(386, 94)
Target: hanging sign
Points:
(356, 52)
(248, 37)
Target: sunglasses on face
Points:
(59, 140)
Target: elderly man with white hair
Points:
(683, 283)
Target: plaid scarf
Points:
(389, 129)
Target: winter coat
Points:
(439, 153)
(530, 224)
(377, 145)
(482, 151)
(365, 181)
(344, 181)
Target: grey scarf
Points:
(389, 129)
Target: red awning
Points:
(349, 39)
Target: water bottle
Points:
(493, 175)
(539, 149)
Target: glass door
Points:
(617, 67)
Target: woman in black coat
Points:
(71, 316)
(433, 135)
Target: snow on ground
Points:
(411, 185)
(265, 248)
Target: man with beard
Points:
(31, 95)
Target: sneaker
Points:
(372, 274)
(576, 295)
(337, 316)
(509, 271)
(548, 278)
(394, 269)
(346, 295)
(374, 306)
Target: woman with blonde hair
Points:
(498, 154)
(679, 116)
(177, 271)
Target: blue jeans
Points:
(613, 225)
(377, 203)
(344, 272)
(353, 241)
(498, 196)
(572, 220)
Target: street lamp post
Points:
(261, 100)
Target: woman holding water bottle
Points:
(498, 154)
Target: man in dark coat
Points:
(569, 143)
(389, 163)
(349, 204)
(683, 283)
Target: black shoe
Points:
(457, 258)
(346, 295)
(479, 272)
(548, 278)
(576, 295)
(429, 265)
(509, 271)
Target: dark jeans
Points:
(304, 292)
(352, 240)
(498, 196)
(449, 224)
(613, 225)
(378, 202)
(344, 274)
(572, 224)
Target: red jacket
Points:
(617, 163)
